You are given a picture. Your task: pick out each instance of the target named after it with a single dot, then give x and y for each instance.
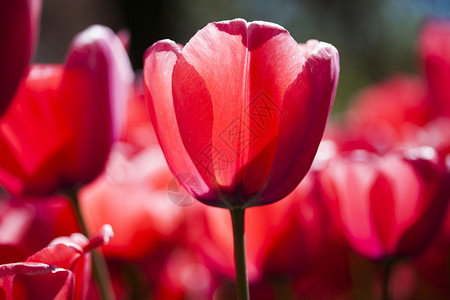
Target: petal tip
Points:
(91, 34)
(163, 45)
(325, 50)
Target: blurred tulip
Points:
(184, 277)
(391, 205)
(138, 130)
(132, 196)
(241, 108)
(19, 23)
(59, 271)
(60, 127)
(385, 114)
(28, 225)
(434, 134)
(398, 100)
(434, 51)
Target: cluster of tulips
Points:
(106, 171)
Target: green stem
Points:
(99, 267)
(387, 268)
(237, 219)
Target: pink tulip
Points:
(241, 108)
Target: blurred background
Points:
(374, 37)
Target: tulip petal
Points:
(56, 285)
(382, 207)
(7, 270)
(275, 60)
(193, 110)
(35, 281)
(159, 67)
(218, 53)
(71, 254)
(353, 178)
(428, 195)
(60, 255)
(306, 106)
(407, 193)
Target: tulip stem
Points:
(387, 268)
(99, 267)
(237, 220)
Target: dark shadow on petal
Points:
(427, 227)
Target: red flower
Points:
(434, 51)
(59, 129)
(19, 22)
(390, 205)
(60, 271)
(242, 108)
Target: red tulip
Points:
(59, 271)
(60, 127)
(390, 205)
(241, 108)
(434, 51)
(19, 22)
